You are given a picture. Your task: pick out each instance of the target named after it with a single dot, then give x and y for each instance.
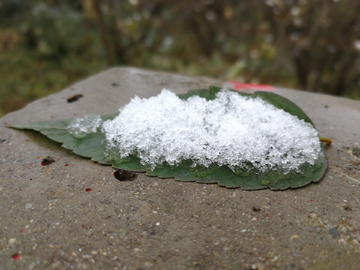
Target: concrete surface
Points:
(49, 220)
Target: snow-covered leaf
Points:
(94, 144)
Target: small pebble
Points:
(28, 205)
(356, 151)
(258, 266)
(12, 241)
(334, 233)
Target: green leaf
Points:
(284, 104)
(93, 146)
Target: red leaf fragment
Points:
(88, 189)
(66, 165)
(16, 256)
(263, 87)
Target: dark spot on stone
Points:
(326, 106)
(256, 209)
(2, 140)
(47, 161)
(115, 84)
(347, 208)
(74, 98)
(106, 201)
(356, 151)
(335, 233)
(123, 175)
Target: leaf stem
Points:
(326, 140)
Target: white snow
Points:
(231, 130)
(79, 127)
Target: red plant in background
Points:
(262, 87)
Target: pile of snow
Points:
(231, 130)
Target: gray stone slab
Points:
(51, 221)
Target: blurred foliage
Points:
(46, 45)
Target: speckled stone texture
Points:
(74, 214)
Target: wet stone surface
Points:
(74, 214)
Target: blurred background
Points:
(47, 45)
